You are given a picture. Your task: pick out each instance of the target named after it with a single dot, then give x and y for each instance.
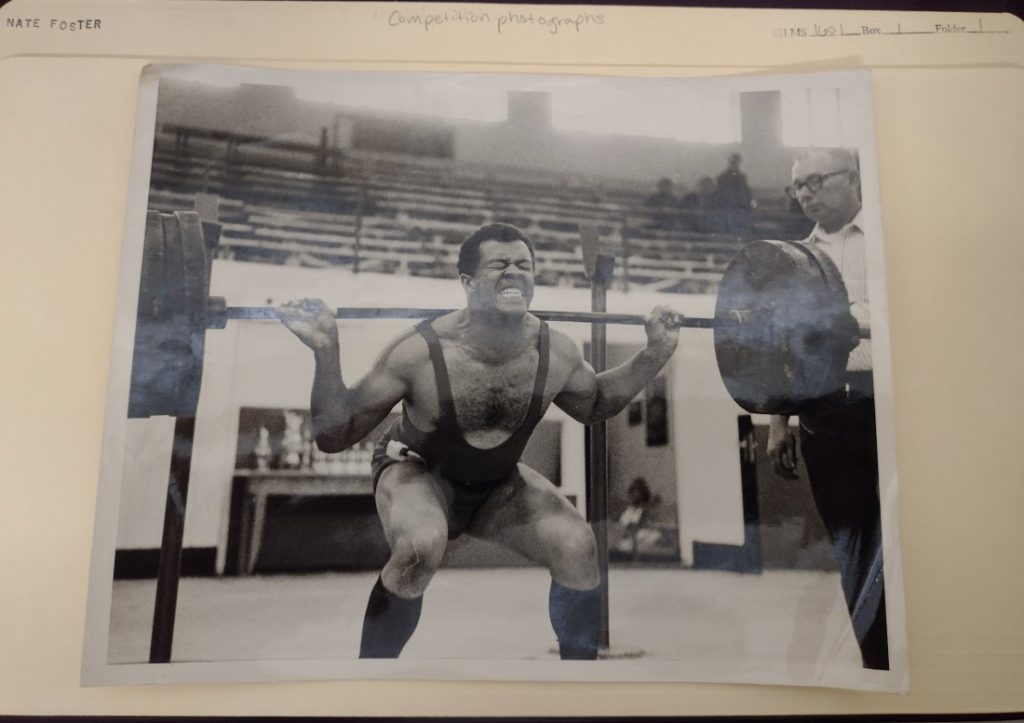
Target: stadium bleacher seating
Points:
(290, 202)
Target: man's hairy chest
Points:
(491, 396)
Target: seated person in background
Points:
(635, 523)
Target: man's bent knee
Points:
(415, 557)
(574, 562)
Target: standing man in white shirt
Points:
(837, 431)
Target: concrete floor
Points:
(775, 619)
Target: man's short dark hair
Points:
(469, 252)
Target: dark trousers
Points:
(837, 438)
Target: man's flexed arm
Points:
(589, 398)
(341, 415)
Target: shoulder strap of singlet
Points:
(446, 406)
(533, 414)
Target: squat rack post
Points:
(600, 268)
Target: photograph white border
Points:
(96, 671)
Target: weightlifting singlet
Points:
(444, 449)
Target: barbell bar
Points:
(782, 323)
(218, 314)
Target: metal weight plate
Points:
(151, 277)
(195, 279)
(164, 362)
(146, 395)
(170, 330)
(196, 289)
(776, 339)
(175, 348)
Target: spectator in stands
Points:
(327, 157)
(837, 432)
(701, 204)
(689, 199)
(473, 386)
(733, 198)
(690, 217)
(663, 204)
(320, 159)
(182, 135)
(706, 193)
(664, 197)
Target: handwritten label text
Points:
(501, 22)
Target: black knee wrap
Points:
(389, 623)
(576, 618)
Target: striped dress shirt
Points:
(846, 247)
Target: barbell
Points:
(782, 325)
(219, 314)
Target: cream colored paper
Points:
(948, 108)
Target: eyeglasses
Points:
(813, 183)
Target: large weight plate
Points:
(175, 347)
(196, 287)
(148, 394)
(775, 327)
(152, 275)
(170, 326)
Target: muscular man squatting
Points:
(473, 385)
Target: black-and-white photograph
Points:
(504, 377)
